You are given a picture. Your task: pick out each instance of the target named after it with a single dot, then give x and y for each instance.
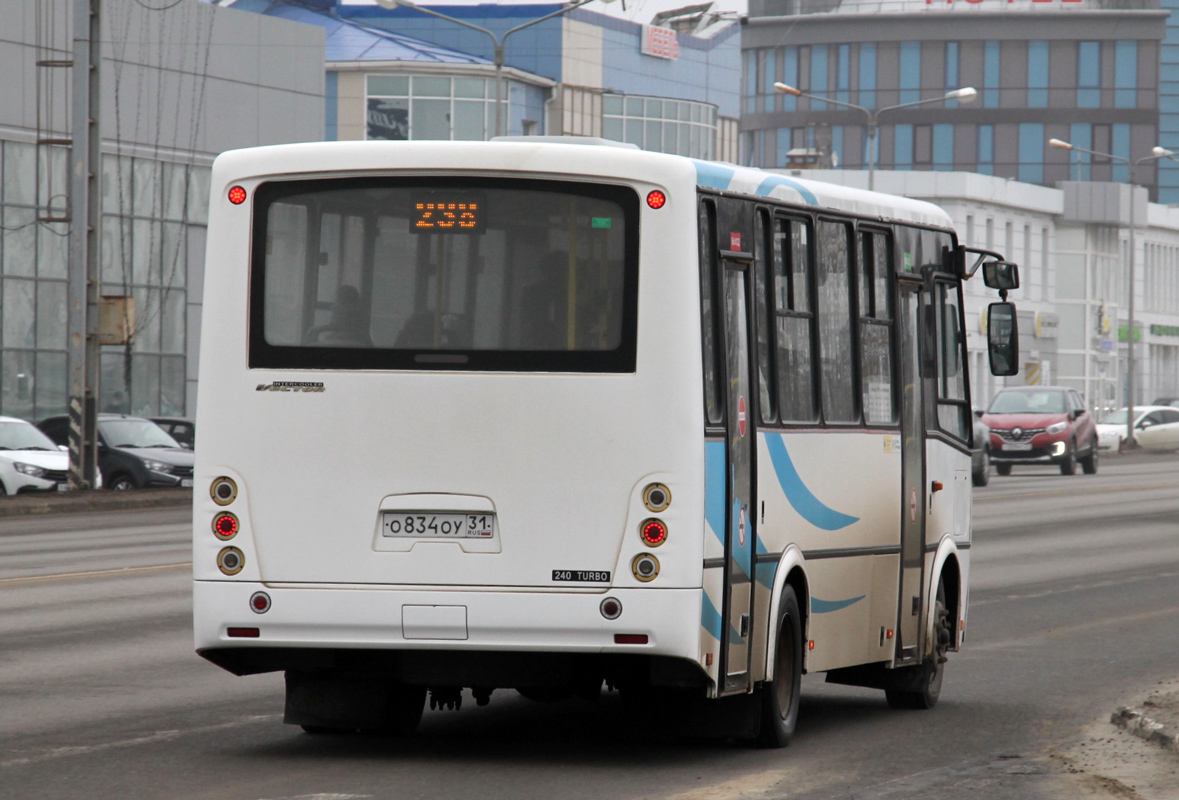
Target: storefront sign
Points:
(660, 42)
(1164, 330)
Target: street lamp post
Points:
(499, 42)
(966, 95)
(1155, 154)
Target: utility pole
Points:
(85, 237)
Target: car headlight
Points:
(156, 466)
(28, 469)
(1057, 428)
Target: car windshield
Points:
(135, 433)
(1027, 403)
(1119, 417)
(23, 436)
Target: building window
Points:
(986, 149)
(1080, 134)
(1125, 74)
(419, 107)
(843, 74)
(1088, 74)
(943, 147)
(991, 74)
(768, 81)
(951, 71)
(910, 72)
(682, 127)
(750, 81)
(819, 79)
(1038, 74)
(902, 146)
(1031, 152)
(868, 75)
(1120, 135)
(790, 77)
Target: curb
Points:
(87, 502)
(1144, 727)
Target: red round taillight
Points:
(656, 199)
(653, 532)
(611, 608)
(225, 525)
(259, 602)
(237, 195)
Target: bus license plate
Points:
(432, 525)
(1017, 446)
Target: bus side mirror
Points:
(1003, 338)
(1001, 275)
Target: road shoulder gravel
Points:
(1133, 755)
(88, 502)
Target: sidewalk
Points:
(55, 503)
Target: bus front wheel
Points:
(779, 697)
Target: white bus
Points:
(540, 415)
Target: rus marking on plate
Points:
(582, 575)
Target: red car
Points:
(1041, 425)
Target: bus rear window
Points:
(444, 273)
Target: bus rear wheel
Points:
(779, 697)
(926, 680)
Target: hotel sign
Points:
(660, 42)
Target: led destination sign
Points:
(447, 215)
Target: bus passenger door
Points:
(909, 629)
(739, 449)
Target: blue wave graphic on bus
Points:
(827, 606)
(713, 176)
(714, 487)
(805, 503)
(710, 618)
(773, 182)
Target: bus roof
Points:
(749, 181)
(582, 156)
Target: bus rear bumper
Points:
(302, 622)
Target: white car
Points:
(1111, 431)
(1160, 431)
(29, 460)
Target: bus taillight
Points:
(656, 199)
(259, 602)
(653, 532)
(225, 525)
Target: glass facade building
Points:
(1092, 79)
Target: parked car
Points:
(133, 452)
(1159, 431)
(180, 429)
(1111, 431)
(1041, 425)
(29, 461)
(1166, 401)
(980, 454)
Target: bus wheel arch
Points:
(791, 572)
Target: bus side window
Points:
(953, 411)
(876, 327)
(708, 262)
(762, 250)
(837, 356)
(794, 321)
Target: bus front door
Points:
(910, 602)
(739, 441)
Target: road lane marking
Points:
(97, 573)
(756, 785)
(151, 738)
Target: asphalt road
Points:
(1074, 608)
